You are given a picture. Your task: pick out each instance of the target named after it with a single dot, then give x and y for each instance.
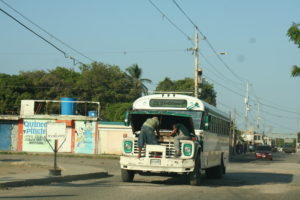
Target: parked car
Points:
(264, 152)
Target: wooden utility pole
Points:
(198, 70)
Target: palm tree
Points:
(135, 74)
(295, 71)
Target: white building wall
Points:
(111, 137)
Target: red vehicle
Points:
(263, 152)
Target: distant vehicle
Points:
(263, 152)
(289, 145)
(289, 148)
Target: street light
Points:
(198, 70)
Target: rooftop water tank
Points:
(68, 106)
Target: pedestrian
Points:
(182, 133)
(245, 147)
(147, 134)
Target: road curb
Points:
(58, 179)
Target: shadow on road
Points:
(250, 178)
(12, 160)
(232, 179)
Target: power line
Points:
(108, 52)
(59, 87)
(170, 21)
(278, 125)
(270, 102)
(278, 116)
(177, 5)
(237, 93)
(223, 62)
(241, 95)
(207, 41)
(218, 72)
(41, 37)
(144, 51)
(51, 35)
(277, 108)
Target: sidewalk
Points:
(18, 170)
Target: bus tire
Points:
(194, 177)
(127, 175)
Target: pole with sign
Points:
(55, 131)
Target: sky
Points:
(122, 33)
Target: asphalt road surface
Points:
(246, 178)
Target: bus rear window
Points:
(169, 103)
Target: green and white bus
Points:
(208, 150)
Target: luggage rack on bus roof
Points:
(172, 93)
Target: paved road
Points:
(246, 179)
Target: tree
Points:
(294, 35)
(208, 93)
(104, 83)
(295, 71)
(139, 88)
(95, 82)
(116, 111)
(166, 85)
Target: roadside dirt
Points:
(19, 167)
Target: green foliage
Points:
(295, 71)
(208, 93)
(139, 88)
(100, 82)
(294, 35)
(104, 83)
(116, 111)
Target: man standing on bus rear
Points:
(182, 133)
(147, 135)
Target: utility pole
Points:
(232, 139)
(198, 70)
(247, 105)
(258, 117)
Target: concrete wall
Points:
(111, 137)
(86, 137)
(82, 135)
(14, 137)
(8, 133)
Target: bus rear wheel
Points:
(127, 175)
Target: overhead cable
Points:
(218, 72)
(45, 31)
(209, 44)
(170, 21)
(75, 61)
(237, 93)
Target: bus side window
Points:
(207, 123)
(212, 124)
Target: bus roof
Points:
(174, 101)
